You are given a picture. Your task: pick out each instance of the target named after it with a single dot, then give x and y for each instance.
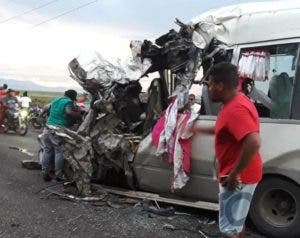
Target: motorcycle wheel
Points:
(23, 130)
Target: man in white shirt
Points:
(194, 107)
(25, 100)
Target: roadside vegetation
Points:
(41, 98)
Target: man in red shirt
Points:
(237, 144)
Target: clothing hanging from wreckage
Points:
(171, 135)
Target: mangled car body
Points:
(117, 132)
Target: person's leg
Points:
(59, 162)
(234, 207)
(242, 233)
(47, 155)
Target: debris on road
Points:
(22, 150)
(167, 211)
(158, 198)
(31, 164)
(75, 198)
(173, 228)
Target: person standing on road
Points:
(237, 144)
(61, 111)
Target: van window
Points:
(280, 80)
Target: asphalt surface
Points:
(26, 213)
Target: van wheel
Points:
(275, 209)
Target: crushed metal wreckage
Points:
(103, 148)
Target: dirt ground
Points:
(26, 213)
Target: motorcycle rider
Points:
(25, 101)
(62, 111)
(10, 103)
(3, 93)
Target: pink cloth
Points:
(171, 135)
(179, 150)
(185, 144)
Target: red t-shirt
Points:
(237, 119)
(3, 93)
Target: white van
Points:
(272, 27)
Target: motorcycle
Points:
(16, 120)
(36, 117)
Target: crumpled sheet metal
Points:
(78, 151)
(95, 70)
(116, 108)
(85, 127)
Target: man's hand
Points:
(230, 182)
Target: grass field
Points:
(42, 98)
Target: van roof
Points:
(251, 22)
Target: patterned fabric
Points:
(171, 135)
(234, 207)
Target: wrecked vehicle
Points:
(115, 143)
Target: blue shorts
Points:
(234, 208)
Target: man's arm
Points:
(73, 113)
(251, 145)
(203, 129)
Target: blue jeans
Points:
(52, 144)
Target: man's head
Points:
(222, 81)
(72, 94)
(25, 94)
(4, 86)
(192, 99)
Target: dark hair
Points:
(25, 94)
(5, 86)
(72, 94)
(192, 95)
(225, 73)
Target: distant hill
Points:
(30, 86)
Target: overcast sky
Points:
(40, 53)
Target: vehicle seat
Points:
(280, 91)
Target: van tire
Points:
(275, 208)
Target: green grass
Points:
(42, 98)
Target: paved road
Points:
(27, 214)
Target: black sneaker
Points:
(47, 177)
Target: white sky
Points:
(41, 54)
